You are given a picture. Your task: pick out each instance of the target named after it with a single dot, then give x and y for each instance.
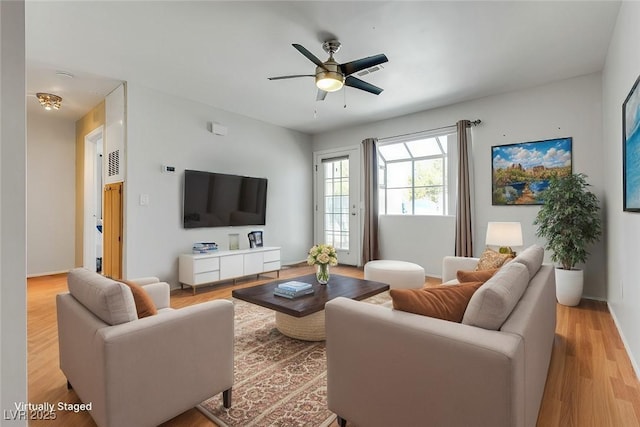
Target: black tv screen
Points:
(221, 200)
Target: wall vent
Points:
(114, 163)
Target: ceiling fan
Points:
(331, 76)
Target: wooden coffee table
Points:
(303, 317)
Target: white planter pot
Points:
(569, 285)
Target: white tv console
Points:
(199, 269)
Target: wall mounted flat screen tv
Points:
(221, 200)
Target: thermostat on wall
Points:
(170, 169)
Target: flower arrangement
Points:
(322, 254)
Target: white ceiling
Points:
(221, 53)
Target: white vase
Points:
(569, 284)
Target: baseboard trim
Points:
(595, 298)
(288, 264)
(624, 341)
(50, 273)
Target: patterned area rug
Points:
(279, 381)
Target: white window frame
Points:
(446, 136)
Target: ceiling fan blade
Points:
(290, 77)
(321, 95)
(361, 64)
(309, 55)
(362, 85)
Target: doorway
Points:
(93, 184)
(337, 205)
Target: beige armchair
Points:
(141, 372)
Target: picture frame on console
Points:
(520, 172)
(255, 239)
(631, 150)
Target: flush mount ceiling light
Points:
(49, 101)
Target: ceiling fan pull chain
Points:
(345, 98)
(315, 112)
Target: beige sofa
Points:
(388, 367)
(141, 372)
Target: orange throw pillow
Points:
(491, 259)
(447, 302)
(144, 304)
(475, 276)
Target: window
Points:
(414, 174)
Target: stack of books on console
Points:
(293, 289)
(204, 247)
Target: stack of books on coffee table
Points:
(293, 289)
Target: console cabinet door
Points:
(254, 263)
(231, 266)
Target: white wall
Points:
(50, 194)
(163, 129)
(565, 108)
(418, 239)
(623, 228)
(13, 294)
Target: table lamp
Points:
(504, 235)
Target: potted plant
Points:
(569, 220)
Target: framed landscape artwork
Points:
(631, 150)
(520, 172)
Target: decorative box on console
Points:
(204, 247)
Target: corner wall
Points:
(13, 283)
(565, 108)
(167, 130)
(51, 160)
(623, 228)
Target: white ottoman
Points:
(398, 274)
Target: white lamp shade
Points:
(504, 234)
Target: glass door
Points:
(337, 204)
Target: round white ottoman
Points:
(398, 274)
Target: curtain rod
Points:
(471, 123)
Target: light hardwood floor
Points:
(591, 381)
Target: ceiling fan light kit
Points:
(331, 76)
(329, 80)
